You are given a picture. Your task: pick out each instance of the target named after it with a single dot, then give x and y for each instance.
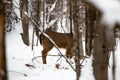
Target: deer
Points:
(62, 40)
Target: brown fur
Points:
(62, 40)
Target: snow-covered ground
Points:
(21, 67)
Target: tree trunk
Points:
(76, 17)
(44, 14)
(2, 44)
(25, 22)
(100, 51)
(103, 42)
(71, 14)
(37, 18)
(89, 29)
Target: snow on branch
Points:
(53, 21)
(51, 9)
(53, 6)
(7, 2)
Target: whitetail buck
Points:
(62, 40)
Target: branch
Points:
(19, 73)
(41, 56)
(49, 39)
(53, 21)
(51, 9)
(16, 4)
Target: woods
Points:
(70, 24)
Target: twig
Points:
(113, 66)
(59, 58)
(84, 57)
(51, 9)
(19, 73)
(33, 40)
(49, 40)
(37, 42)
(41, 56)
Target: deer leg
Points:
(45, 51)
(68, 53)
(44, 54)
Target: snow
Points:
(19, 56)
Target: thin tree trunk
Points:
(114, 66)
(37, 18)
(71, 15)
(38, 12)
(76, 5)
(44, 12)
(2, 43)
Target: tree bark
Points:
(76, 17)
(100, 50)
(37, 18)
(25, 22)
(99, 43)
(100, 53)
(2, 43)
(71, 14)
(89, 29)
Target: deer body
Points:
(62, 40)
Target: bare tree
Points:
(25, 23)
(76, 17)
(71, 14)
(102, 45)
(35, 13)
(2, 44)
(38, 12)
(100, 51)
(89, 29)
